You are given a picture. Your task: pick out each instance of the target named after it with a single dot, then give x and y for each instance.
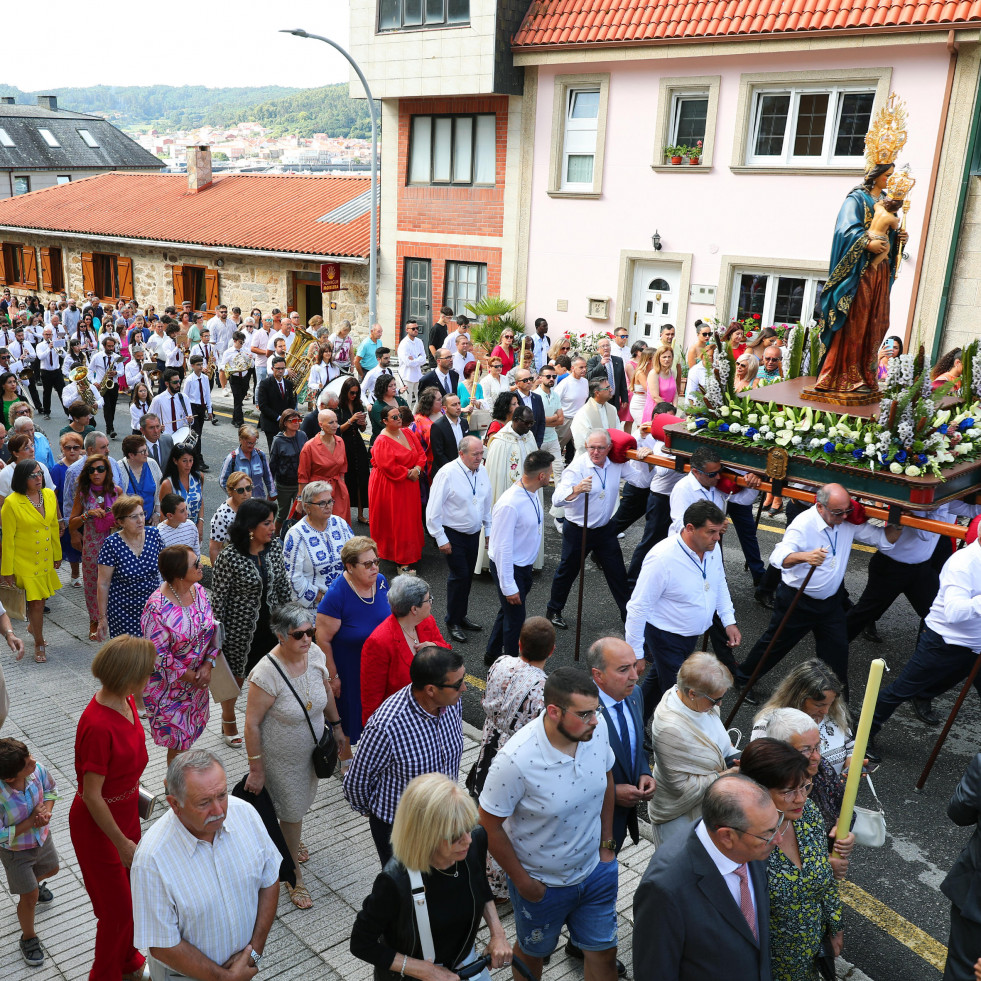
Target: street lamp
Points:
(373, 247)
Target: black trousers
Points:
(460, 564)
(772, 577)
(632, 507)
(32, 385)
(962, 947)
(239, 385)
(381, 834)
(744, 522)
(511, 616)
(110, 398)
(51, 380)
(888, 580)
(656, 525)
(603, 544)
(198, 411)
(825, 618)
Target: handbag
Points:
(870, 825)
(325, 750)
(223, 685)
(14, 601)
(146, 803)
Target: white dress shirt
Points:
(135, 372)
(166, 406)
(445, 383)
(603, 496)
(663, 479)
(173, 356)
(688, 490)
(696, 382)
(809, 531)
(412, 358)
(636, 472)
(231, 352)
(956, 612)
(915, 545)
(678, 592)
(70, 395)
(50, 355)
(460, 361)
(540, 346)
(205, 350)
(368, 383)
(727, 869)
(259, 340)
(198, 389)
(630, 736)
(516, 533)
(100, 365)
(459, 499)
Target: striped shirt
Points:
(16, 805)
(400, 742)
(186, 533)
(205, 893)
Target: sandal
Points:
(302, 854)
(235, 740)
(40, 653)
(404, 570)
(93, 630)
(299, 896)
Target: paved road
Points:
(897, 920)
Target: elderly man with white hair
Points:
(42, 448)
(590, 476)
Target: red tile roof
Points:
(580, 22)
(267, 212)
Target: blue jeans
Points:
(589, 908)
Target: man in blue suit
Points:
(613, 666)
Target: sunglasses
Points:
(97, 469)
(243, 490)
(368, 564)
(300, 634)
(456, 687)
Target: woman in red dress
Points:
(110, 756)
(394, 503)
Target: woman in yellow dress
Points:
(31, 544)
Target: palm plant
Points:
(493, 315)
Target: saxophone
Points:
(109, 382)
(211, 367)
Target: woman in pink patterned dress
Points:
(179, 621)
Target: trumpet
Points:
(109, 382)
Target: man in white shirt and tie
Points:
(820, 538)
(458, 512)
(681, 588)
(590, 474)
(199, 395)
(171, 406)
(49, 354)
(102, 364)
(412, 359)
(515, 537)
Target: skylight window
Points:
(88, 138)
(49, 137)
(5, 139)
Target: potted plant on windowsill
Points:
(695, 153)
(675, 154)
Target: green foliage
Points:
(815, 340)
(968, 380)
(796, 351)
(494, 313)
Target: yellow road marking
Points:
(476, 682)
(921, 943)
(777, 530)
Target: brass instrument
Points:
(80, 376)
(153, 374)
(109, 382)
(298, 362)
(211, 367)
(182, 341)
(25, 374)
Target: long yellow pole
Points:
(858, 750)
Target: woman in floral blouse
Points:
(179, 621)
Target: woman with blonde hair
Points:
(435, 833)
(691, 746)
(747, 368)
(637, 370)
(662, 380)
(239, 488)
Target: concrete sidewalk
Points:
(305, 945)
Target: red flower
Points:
(609, 335)
(756, 316)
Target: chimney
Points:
(198, 168)
(48, 102)
(7, 100)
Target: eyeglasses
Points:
(802, 791)
(368, 564)
(765, 358)
(810, 750)
(781, 824)
(329, 503)
(37, 475)
(711, 474)
(300, 634)
(586, 716)
(97, 469)
(135, 514)
(837, 512)
(456, 686)
(701, 694)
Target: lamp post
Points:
(373, 247)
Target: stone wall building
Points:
(246, 240)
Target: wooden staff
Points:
(769, 647)
(858, 749)
(582, 570)
(942, 738)
(473, 387)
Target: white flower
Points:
(871, 452)
(912, 471)
(895, 467)
(723, 412)
(757, 437)
(779, 422)
(690, 425)
(735, 428)
(963, 449)
(815, 443)
(796, 440)
(818, 427)
(753, 418)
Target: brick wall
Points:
(459, 210)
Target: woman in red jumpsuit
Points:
(110, 756)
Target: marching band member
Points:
(107, 363)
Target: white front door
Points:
(654, 300)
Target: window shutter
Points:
(178, 273)
(88, 273)
(125, 267)
(211, 289)
(46, 281)
(30, 266)
(3, 267)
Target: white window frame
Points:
(5, 139)
(49, 137)
(454, 299)
(774, 273)
(575, 131)
(826, 158)
(474, 120)
(677, 97)
(565, 85)
(88, 139)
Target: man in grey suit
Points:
(702, 909)
(158, 443)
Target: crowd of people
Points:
(460, 450)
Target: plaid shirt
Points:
(15, 805)
(400, 742)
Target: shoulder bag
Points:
(421, 909)
(870, 824)
(325, 749)
(223, 685)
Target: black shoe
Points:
(573, 951)
(764, 598)
(112, 435)
(556, 620)
(44, 894)
(47, 609)
(871, 633)
(457, 634)
(214, 422)
(47, 415)
(490, 658)
(752, 697)
(204, 468)
(871, 753)
(923, 710)
(468, 624)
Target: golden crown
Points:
(887, 134)
(900, 184)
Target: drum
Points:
(185, 436)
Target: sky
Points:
(232, 43)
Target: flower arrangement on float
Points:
(911, 435)
(585, 343)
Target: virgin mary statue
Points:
(855, 299)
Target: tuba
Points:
(85, 392)
(298, 362)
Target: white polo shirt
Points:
(552, 802)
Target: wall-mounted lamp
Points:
(656, 241)
(220, 263)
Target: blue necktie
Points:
(624, 732)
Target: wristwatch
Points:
(256, 958)
(610, 844)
